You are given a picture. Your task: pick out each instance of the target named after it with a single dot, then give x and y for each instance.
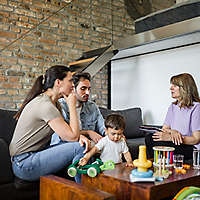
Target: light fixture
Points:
(67, 1)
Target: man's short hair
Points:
(80, 75)
(115, 121)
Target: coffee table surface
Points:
(117, 182)
(121, 172)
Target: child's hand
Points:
(83, 161)
(129, 164)
(123, 136)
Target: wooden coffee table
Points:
(117, 182)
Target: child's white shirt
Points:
(112, 150)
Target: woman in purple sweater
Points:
(181, 128)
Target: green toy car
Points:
(91, 170)
(107, 165)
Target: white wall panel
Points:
(143, 81)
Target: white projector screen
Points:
(143, 81)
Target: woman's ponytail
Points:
(43, 83)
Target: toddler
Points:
(113, 145)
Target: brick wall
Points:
(36, 34)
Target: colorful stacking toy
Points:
(163, 152)
(142, 173)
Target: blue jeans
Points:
(30, 166)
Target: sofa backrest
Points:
(7, 124)
(133, 118)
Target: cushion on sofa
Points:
(6, 175)
(133, 118)
(8, 192)
(7, 124)
(133, 145)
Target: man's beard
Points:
(84, 98)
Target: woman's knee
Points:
(80, 149)
(77, 147)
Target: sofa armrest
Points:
(154, 126)
(54, 187)
(6, 174)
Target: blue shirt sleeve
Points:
(65, 109)
(100, 123)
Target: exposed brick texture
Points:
(36, 34)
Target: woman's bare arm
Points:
(67, 132)
(167, 134)
(63, 129)
(73, 120)
(191, 140)
(177, 137)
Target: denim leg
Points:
(78, 157)
(48, 161)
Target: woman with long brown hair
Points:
(181, 127)
(38, 118)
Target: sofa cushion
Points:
(8, 192)
(6, 175)
(133, 118)
(7, 124)
(25, 185)
(133, 145)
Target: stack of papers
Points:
(137, 179)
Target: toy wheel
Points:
(92, 172)
(72, 172)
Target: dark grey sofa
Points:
(133, 134)
(12, 188)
